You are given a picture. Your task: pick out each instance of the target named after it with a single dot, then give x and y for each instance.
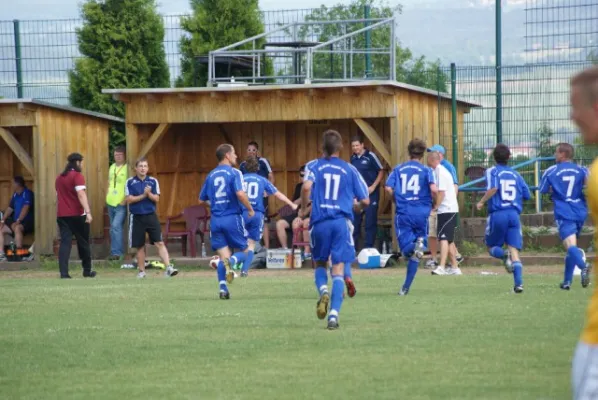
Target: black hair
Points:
(501, 154)
(71, 164)
(19, 180)
(222, 151)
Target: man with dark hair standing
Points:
(73, 216)
(143, 193)
(265, 170)
(116, 202)
(21, 207)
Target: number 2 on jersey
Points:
(333, 181)
(220, 183)
(571, 182)
(411, 185)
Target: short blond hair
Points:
(588, 81)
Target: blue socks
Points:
(321, 279)
(497, 252)
(222, 276)
(574, 257)
(408, 249)
(517, 273)
(348, 271)
(411, 271)
(248, 260)
(238, 258)
(336, 300)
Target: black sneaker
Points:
(244, 274)
(91, 274)
(65, 277)
(565, 286)
(518, 289)
(332, 324)
(224, 295)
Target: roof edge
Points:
(61, 107)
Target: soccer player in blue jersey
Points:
(255, 187)
(223, 191)
(413, 185)
(505, 192)
(566, 180)
(333, 186)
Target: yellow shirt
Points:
(117, 178)
(590, 332)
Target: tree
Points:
(545, 134)
(122, 46)
(415, 71)
(214, 24)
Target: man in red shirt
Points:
(73, 216)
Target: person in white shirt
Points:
(447, 210)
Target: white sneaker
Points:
(430, 264)
(419, 248)
(453, 271)
(141, 274)
(171, 271)
(440, 270)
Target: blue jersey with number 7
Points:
(410, 183)
(567, 180)
(220, 189)
(511, 189)
(336, 184)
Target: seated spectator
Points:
(18, 217)
(293, 221)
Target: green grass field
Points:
(116, 337)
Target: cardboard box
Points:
(281, 258)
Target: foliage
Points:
(468, 249)
(122, 46)
(410, 69)
(214, 24)
(584, 153)
(474, 156)
(545, 134)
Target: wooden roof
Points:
(63, 108)
(386, 86)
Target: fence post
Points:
(368, 43)
(498, 55)
(17, 36)
(537, 184)
(454, 117)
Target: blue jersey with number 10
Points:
(255, 186)
(567, 181)
(410, 183)
(511, 189)
(336, 184)
(220, 189)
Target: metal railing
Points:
(305, 52)
(470, 186)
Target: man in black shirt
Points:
(292, 221)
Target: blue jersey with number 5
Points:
(410, 183)
(567, 181)
(220, 189)
(336, 184)
(511, 189)
(255, 186)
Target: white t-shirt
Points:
(446, 184)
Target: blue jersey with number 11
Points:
(410, 183)
(336, 184)
(511, 189)
(567, 181)
(220, 189)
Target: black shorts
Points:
(290, 218)
(446, 225)
(27, 225)
(139, 225)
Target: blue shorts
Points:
(228, 230)
(568, 228)
(254, 225)
(504, 227)
(333, 238)
(409, 228)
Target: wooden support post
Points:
(376, 140)
(132, 136)
(18, 150)
(153, 140)
(394, 153)
(225, 135)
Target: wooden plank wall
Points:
(60, 133)
(11, 166)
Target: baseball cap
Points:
(437, 148)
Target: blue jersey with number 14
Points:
(511, 189)
(220, 189)
(255, 186)
(336, 183)
(410, 183)
(567, 181)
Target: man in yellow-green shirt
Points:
(115, 200)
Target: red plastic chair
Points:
(196, 222)
(298, 242)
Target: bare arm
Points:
(7, 213)
(305, 194)
(439, 197)
(154, 197)
(83, 200)
(271, 177)
(24, 212)
(377, 181)
(280, 196)
(135, 199)
(487, 196)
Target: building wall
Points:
(57, 134)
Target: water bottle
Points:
(203, 250)
(384, 248)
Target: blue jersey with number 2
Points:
(336, 184)
(220, 189)
(511, 189)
